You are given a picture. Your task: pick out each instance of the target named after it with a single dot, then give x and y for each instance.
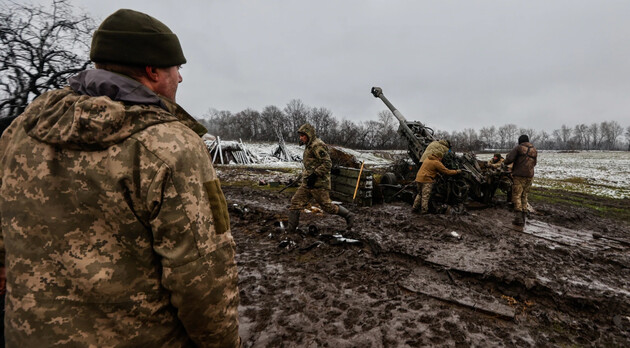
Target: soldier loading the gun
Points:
(426, 178)
(315, 180)
(524, 156)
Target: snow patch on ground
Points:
(603, 173)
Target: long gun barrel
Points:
(418, 136)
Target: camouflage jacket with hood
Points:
(113, 223)
(524, 157)
(438, 148)
(315, 159)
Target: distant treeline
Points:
(271, 122)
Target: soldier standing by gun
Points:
(524, 156)
(315, 182)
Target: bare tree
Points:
(610, 132)
(563, 136)
(274, 121)
(507, 135)
(628, 137)
(39, 49)
(349, 133)
(580, 132)
(321, 119)
(387, 137)
(594, 135)
(297, 113)
(488, 135)
(544, 140)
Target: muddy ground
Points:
(404, 280)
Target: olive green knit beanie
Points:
(134, 38)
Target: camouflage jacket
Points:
(114, 228)
(315, 159)
(439, 148)
(524, 157)
(494, 165)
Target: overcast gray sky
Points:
(450, 64)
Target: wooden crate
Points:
(344, 184)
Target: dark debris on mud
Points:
(403, 280)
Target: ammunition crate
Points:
(344, 184)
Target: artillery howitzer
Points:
(473, 182)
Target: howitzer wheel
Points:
(388, 178)
(460, 190)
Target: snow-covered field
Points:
(604, 173)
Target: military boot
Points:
(294, 221)
(346, 214)
(518, 219)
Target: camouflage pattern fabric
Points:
(523, 158)
(303, 196)
(520, 189)
(114, 228)
(315, 159)
(495, 165)
(438, 148)
(422, 198)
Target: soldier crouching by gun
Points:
(315, 182)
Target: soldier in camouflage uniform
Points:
(315, 182)
(496, 161)
(114, 228)
(437, 147)
(524, 157)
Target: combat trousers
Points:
(422, 198)
(303, 195)
(520, 189)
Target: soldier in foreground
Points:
(114, 225)
(425, 180)
(315, 182)
(524, 157)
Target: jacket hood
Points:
(309, 131)
(97, 83)
(98, 110)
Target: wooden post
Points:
(358, 181)
(220, 149)
(216, 148)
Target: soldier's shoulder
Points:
(318, 142)
(172, 142)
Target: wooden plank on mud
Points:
(562, 235)
(462, 297)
